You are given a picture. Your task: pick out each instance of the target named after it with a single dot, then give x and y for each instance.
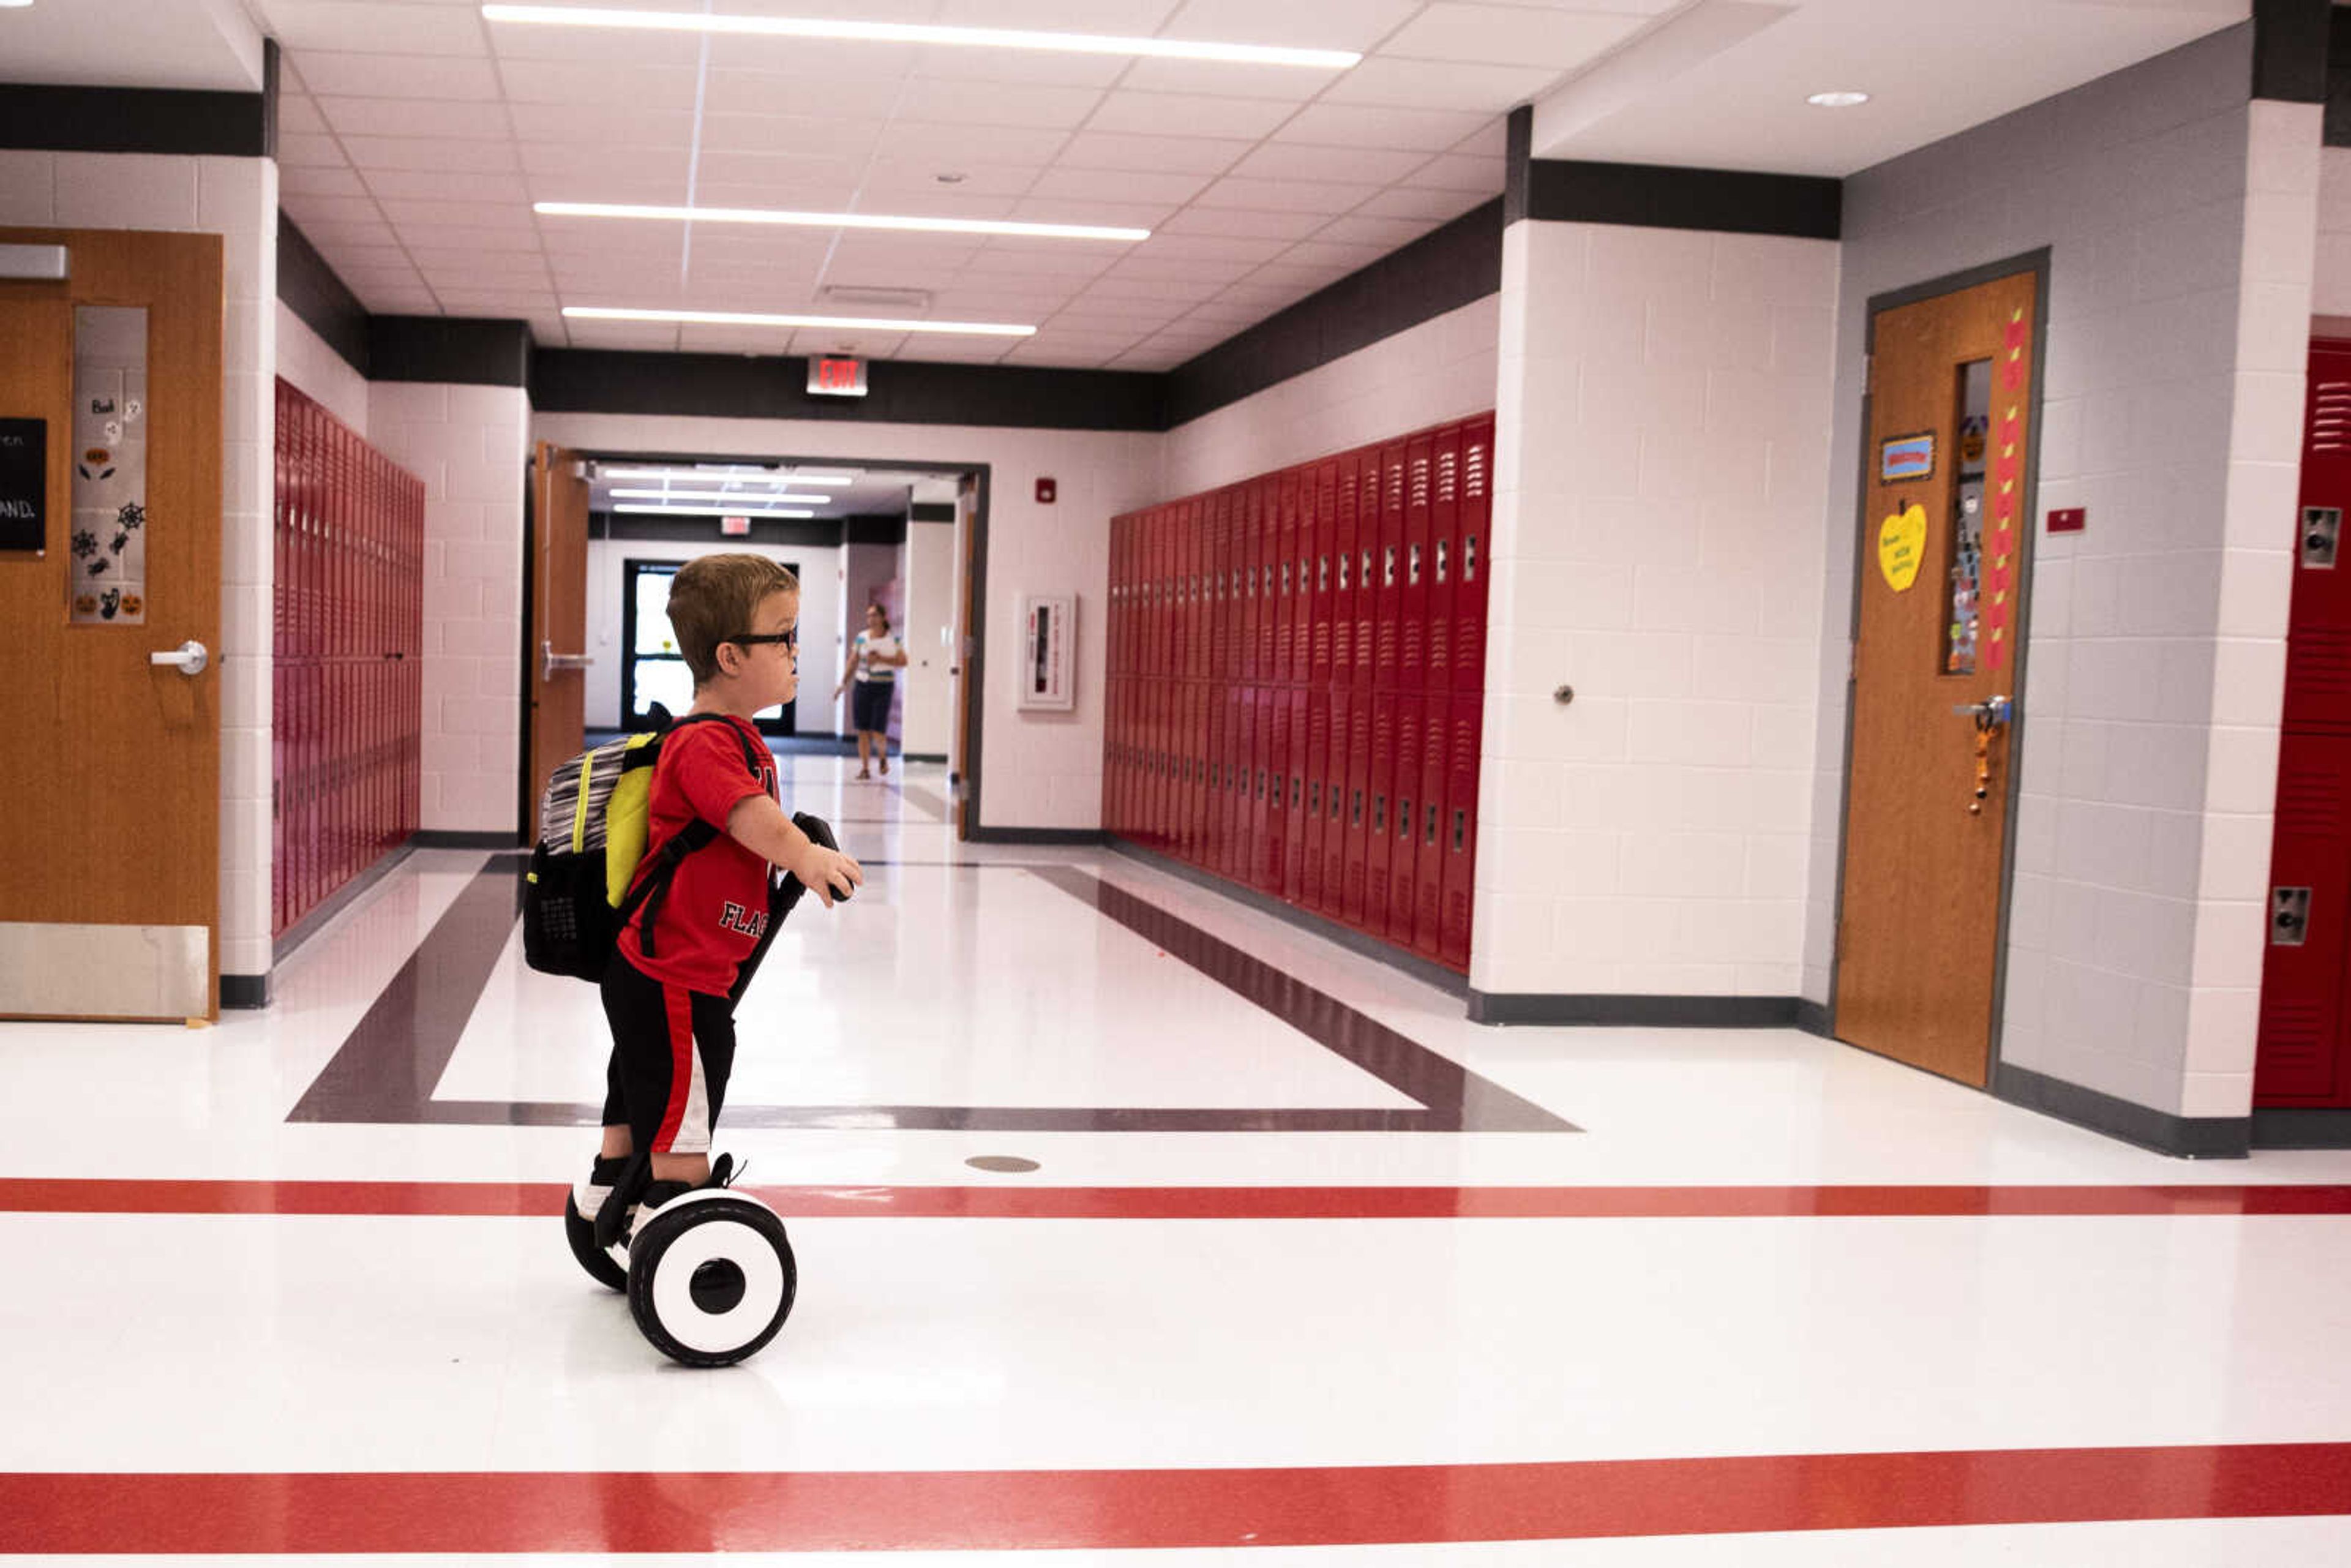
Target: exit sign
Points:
(837, 375)
(734, 527)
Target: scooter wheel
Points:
(580, 1232)
(711, 1277)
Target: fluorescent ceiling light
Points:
(753, 319)
(923, 33)
(838, 221)
(768, 496)
(1837, 99)
(721, 511)
(726, 476)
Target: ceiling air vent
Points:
(901, 299)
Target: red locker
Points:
(1460, 830)
(1470, 585)
(1359, 804)
(1379, 844)
(1444, 551)
(1369, 489)
(1333, 835)
(1230, 816)
(1286, 622)
(1345, 533)
(1268, 558)
(1273, 799)
(1428, 901)
(1226, 663)
(1295, 750)
(1404, 827)
(1248, 544)
(1309, 847)
(2303, 1052)
(1324, 549)
(1387, 630)
(1200, 753)
(1412, 650)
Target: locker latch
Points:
(2319, 526)
(2289, 916)
(1443, 553)
(1388, 576)
(1412, 567)
(1469, 558)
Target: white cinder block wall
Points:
(470, 445)
(1661, 454)
(819, 623)
(311, 365)
(1440, 369)
(2171, 409)
(2331, 284)
(1039, 771)
(236, 198)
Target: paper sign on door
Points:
(1901, 546)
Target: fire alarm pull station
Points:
(1045, 492)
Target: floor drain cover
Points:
(1008, 1163)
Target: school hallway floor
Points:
(1311, 1272)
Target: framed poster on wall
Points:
(1049, 648)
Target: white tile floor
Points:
(146, 1343)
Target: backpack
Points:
(593, 823)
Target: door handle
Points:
(552, 662)
(1989, 714)
(189, 658)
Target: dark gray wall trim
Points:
(2339, 78)
(313, 292)
(2295, 1128)
(2189, 1138)
(270, 67)
(931, 512)
(2291, 39)
(1813, 1017)
(1080, 836)
(874, 531)
(920, 757)
(1518, 164)
(1723, 201)
(243, 992)
(1438, 272)
(449, 348)
(600, 380)
(1649, 1012)
(134, 120)
(1306, 920)
(445, 838)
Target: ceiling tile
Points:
(1120, 18)
(1491, 141)
(619, 162)
(296, 152)
(1148, 291)
(407, 117)
(1243, 224)
(333, 237)
(652, 335)
(310, 180)
(922, 174)
(310, 208)
(878, 345)
(1175, 154)
(378, 258)
(297, 115)
(1404, 202)
(1018, 69)
(1176, 114)
(506, 217)
(594, 46)
(1180, 269)
(790, 135)
(356, 25)
(1054, 210)
(1414, 130)
(1330, 257)
(448, 185)
(733, 91)
(1359, 165)
(1433, 84)
(731, 339)
(933, 348)
(605, 125)
(1384, 234)
(1119, 185)
(1219, 78)
(1286, 196)
(1037, 259)
(1454, 171)
(1303, 24)
(1510, 35)
(987, 103)
(601, 185)
(729, 166)
(429, 152)
(955, 145)
(398, 76)
(456, 237)
(566, 82)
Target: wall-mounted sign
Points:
(1049, 648)
(1902, 546)
(2069, 519)
(836, 375)
(1907, 457)
(25, 485)
(1046, 491)
(734, 527)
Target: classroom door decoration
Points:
(108, 576)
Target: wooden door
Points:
(1950, 408)
(966, 660)
(111, 899)
(558, 619)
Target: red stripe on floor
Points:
(1104, 1509)
(538, 1198)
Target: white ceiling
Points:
(416, 136)
(874, 492)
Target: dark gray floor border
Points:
(2296, 1127)
(386, 1069)
(1646, 1011)
(302, 930)
(245, 993)
(1305, 920)
(1080, 837)
(2188, 1137)
(446, 839)
(937, 757)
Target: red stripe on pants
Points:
(678, 1002)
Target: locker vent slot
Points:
(2310, 804)
(2294, 1037)
(2330, 416)
(1448, 474)
(2318, 667)
(1473, 458)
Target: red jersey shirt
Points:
(717, 907)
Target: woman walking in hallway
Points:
(874, 661)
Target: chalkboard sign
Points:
(23, 483)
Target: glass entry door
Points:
(651, 669)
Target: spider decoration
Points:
(85, 543)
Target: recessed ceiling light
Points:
(721, 511)
(1837, 99)
(768, 498)
(836, 220)
(753, 319)
(725, 476)
(923, 33)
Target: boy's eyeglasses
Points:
(790, 639)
